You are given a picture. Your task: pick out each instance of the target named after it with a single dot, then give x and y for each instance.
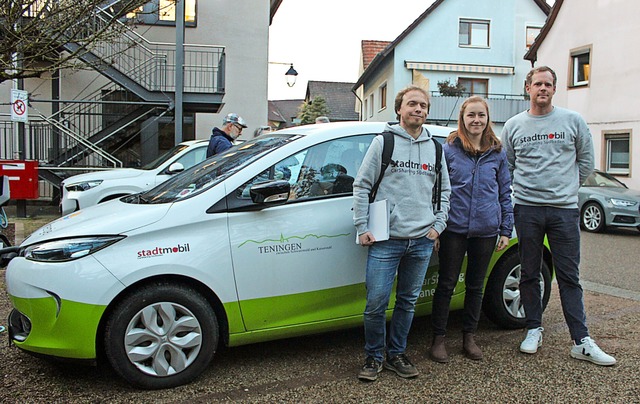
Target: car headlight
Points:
(622, 202)
(68, 249)
(82, 186)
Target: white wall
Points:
(243, 27)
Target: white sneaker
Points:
(588, 350)
(532, 341)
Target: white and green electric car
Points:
(252, 245)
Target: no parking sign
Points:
(19, 111)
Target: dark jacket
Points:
(480, 192)
(218, 142)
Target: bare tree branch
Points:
(33, 32)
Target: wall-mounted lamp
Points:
(291, 75)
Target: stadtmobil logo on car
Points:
(544, 138)
(160, 251)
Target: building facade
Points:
(225, 70)
(593, 78)
(476, 44)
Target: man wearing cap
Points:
(222, 139)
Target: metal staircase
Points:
(142, 74)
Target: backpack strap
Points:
(387, 151)
(437, 187)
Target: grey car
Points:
(605, 201)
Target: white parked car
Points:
(83, 190)
(252, 245)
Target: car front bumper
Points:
(58, 307)
(623, 217)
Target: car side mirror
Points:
(175, 168)
(270, 193)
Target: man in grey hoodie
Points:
(550, 154)
(414, 226)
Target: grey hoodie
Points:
(407, 185)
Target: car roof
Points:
(356, 127)
(193, 142)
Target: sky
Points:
(323, 38)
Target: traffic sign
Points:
(19, 110)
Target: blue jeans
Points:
(453, 248)
(562, 227)
(410, 259)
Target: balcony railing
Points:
(153, 64)
(501, 106)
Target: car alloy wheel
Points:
(502, 299)
(592, 218)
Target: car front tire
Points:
(161, 336)
(502, 303)
(592, 218)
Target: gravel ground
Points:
(322, 368)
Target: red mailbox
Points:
(23, 178)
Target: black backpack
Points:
(387, 151)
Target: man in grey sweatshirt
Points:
(550, 154)
(414, 226)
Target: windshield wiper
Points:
(142, 199)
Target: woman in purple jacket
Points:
(481, 212)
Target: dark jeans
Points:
(453, 248)
(562, 227)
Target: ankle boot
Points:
(471, 350)
(438, 351)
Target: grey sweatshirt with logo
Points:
(549, 157)
(407, 185)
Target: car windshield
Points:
(211, 171)
(598, 179)
(160, 160)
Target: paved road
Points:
(322, 368)
(611, 262)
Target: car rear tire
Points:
(592, 218)
(502, 303)
(160, 336)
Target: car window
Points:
(193, 157)
(325, 169)
(160, 160)
(597, 179)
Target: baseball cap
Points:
(234, 118)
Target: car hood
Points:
(115, 174)
(611, 192)
(112, 217)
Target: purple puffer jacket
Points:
(480, 192)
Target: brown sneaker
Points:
(438, 351)
(471, 350)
